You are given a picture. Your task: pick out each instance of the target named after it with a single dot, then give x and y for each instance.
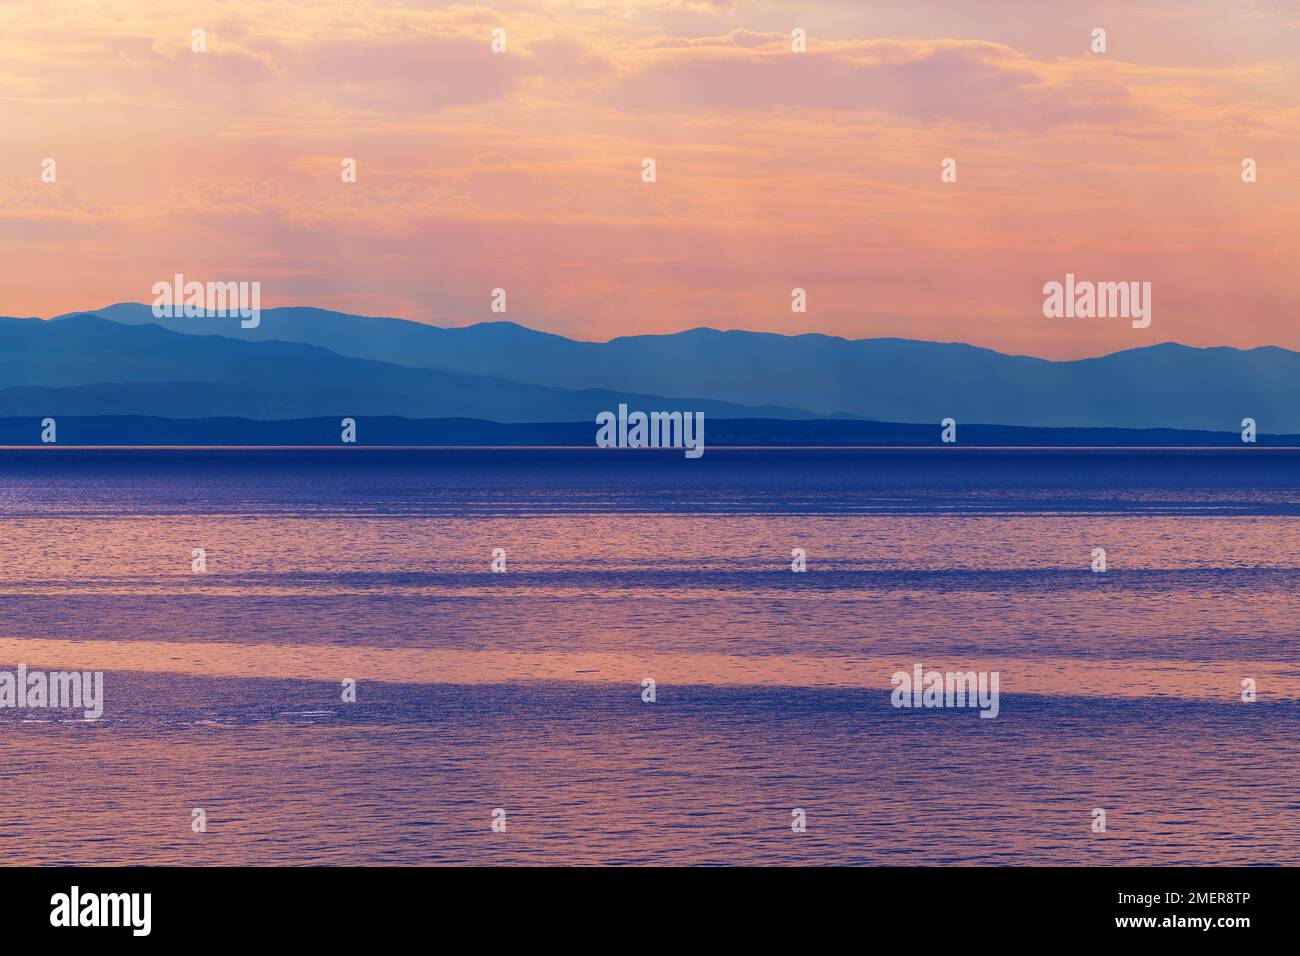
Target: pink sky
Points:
(776, 169)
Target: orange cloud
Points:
(776, 169)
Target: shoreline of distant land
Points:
(134, 430)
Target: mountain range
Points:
(305, 362)
(87, 365)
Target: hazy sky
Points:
(775, 169)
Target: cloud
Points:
(522, 169)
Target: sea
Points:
(362, 655)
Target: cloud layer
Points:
(775, 169)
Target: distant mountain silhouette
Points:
(892, 380)
(86, 365)
(720, 432)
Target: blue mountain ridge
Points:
(882, 379)
(86, 365)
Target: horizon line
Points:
(348, 448)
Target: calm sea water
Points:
(522, 690)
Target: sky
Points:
(774, 169)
